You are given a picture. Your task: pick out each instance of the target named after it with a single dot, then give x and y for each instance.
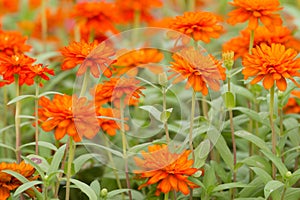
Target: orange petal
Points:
(183, 187)
(4, 193)
(268, 81)
(281, 84)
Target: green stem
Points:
(124, 144)
(18, 121)
(77, 35)
(164, 111)
(251, 41)
(36, 107)
(72, 148)
(5, 101)
(232, 138)
(166, 197)
(273, 129)
(84, 84)
(283, 192)
(44, 25)
(113, 165)
(191, 5)
(192, 124)
(136, 24)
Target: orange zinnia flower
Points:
(293, 104)
(9, 6)
(39, 72)
(9, 183)
(115, 89)
(128, 8)
(16, 65)
(199, 25)
(96, 16)
(169, 170)
(76, 119)
(272, 63)
(254, 10)
(280, 34)
(92, 55)
(131, 61)
(110, 126)
(200, 70)
(12, 42)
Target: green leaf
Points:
(262, 174)
(7, 147)
(95, 185)
(292, 127)
(135, 194)
(252, 138)
(221, 146)
(47, 93)
(227, 186)
(41, 167)
(81, 160)
(258, 161)
(57, 158)
(209, 179)
(292, 194)
(19, 98)
(26, 186)
(271, 186)
(26, 117)
(165, 115)
(23, 180)
(253, 115)
(117, 153)
(242, 91)
(201, 153)
(229, 100)
(277, 162)
(153, 111)
(85, 189)
(41, 144)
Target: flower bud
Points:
(228, 59)
(103, 193)
(162, 79)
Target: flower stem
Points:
(84, 84)
(164, 111)
(166, 197)
(72, 148)
(124, 144)
(136, 24)
(232, 138)
(192, 124)
(5, 101)
(272, 129)
(17, 121)
(191, 5)
(36, 107)
(251, 42)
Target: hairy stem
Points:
(271, 109)
(164, 111)
(18, 121)
(124, 144)
(72, 148)
(36, 107)
(5, 101)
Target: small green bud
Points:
(103, 193)
(228, 59)
(162, 79)
(288, 174)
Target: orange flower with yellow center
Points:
(170, 171)
(9, 183)
(116, 89)
(293, 104)
(272, 63)
(88, 55)
(131, 61)
(200, 70)
(198, 25)
(75, 119)
(255, 10)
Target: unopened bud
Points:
(103, 193)
(162, 79)
(288, 174)
(228, 59)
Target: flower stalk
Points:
(271, 110)
(36, 111)
(72, 148)
(18, 121)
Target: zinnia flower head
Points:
(17, 64)
(117, 89)
(12, 42)
(272, 63)
(68, 115)
(39, 72)
(131, 61)
(255, 10)
(280, 34)
(198, 25)
(109, 126)
(88, 55)
(9, 183)
(170, 171)
(293, 104)
(96, 16)
(200, 70)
